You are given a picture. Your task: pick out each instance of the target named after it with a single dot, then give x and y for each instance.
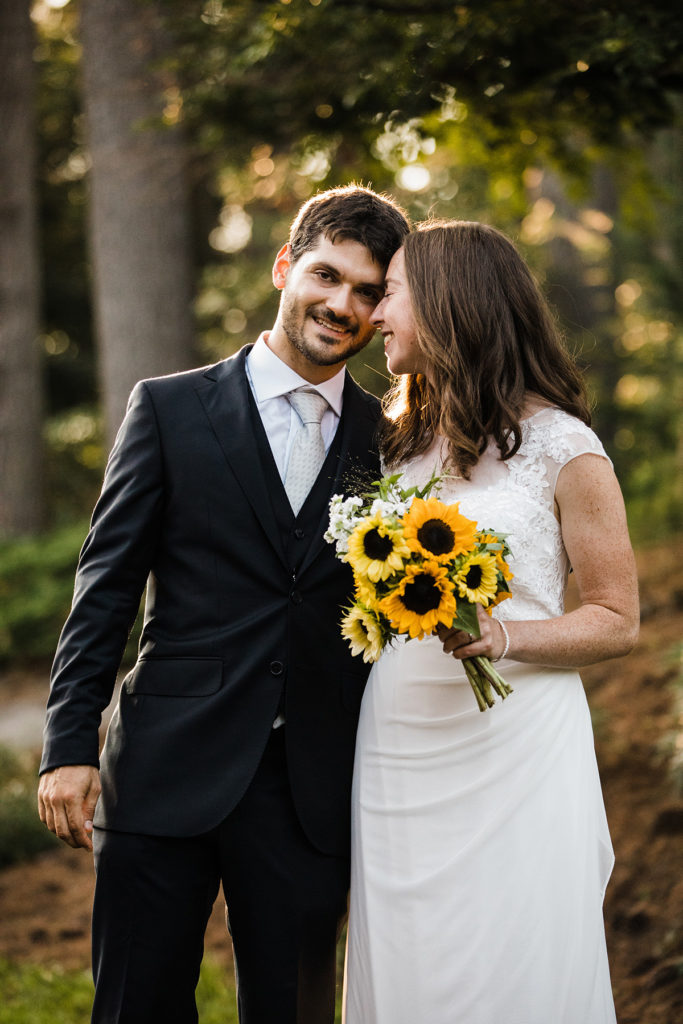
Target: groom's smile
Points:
(334, 326)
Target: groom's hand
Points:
(66, 802)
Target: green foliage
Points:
(75, 463)
(37, 573)
(36, 587)
(22, 834)
(601, 66)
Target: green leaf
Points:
(466, 618)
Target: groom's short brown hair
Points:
(350, 212)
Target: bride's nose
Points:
(376, 317)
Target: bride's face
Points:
(394, 317)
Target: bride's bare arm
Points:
(605, 625)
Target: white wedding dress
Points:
(480, 848)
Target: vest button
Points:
(276, 668)
(299, 533)
(295, 597)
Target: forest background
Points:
(154, 154)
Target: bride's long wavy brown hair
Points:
(488, 341)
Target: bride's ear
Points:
(281, 266)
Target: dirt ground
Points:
(637, 703)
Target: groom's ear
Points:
(283, 262)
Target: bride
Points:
(480, 846)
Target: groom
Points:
(229, 757)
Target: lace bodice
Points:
(516, 497)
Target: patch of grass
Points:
(41, 995)
(216, 994)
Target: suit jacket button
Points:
(299, 533)
(276, 668)
(296, 597)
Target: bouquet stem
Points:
(484, 680)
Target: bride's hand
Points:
(461, 644)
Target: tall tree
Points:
(21, 399)
(140, 235)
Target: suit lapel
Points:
(225, 397)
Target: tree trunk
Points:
(22, 501)
(139, 202)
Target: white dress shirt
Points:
(270, 380)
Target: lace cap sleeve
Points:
(557, 438)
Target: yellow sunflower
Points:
(366, 592)
(502, 595)
(438, 531)
(363, 631)
(477, 579)
(423, 598)
(376, 549)
(501, 564)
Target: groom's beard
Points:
(311, 339)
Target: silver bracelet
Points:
(507, 640)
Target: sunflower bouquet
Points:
(418, 563)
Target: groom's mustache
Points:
(337, 321)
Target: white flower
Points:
(399, 502)
(394, 506)
(343, 521)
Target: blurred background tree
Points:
(139, 220)
(177, 140)
(22, 499)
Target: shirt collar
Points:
(271, 378)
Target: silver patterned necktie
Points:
(308, 448)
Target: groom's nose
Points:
(341, 301)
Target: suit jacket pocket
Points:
(352, 691)
(175, 677)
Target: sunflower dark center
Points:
(377, 547)
(473, 577)
(421, 595)
(436, 536)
